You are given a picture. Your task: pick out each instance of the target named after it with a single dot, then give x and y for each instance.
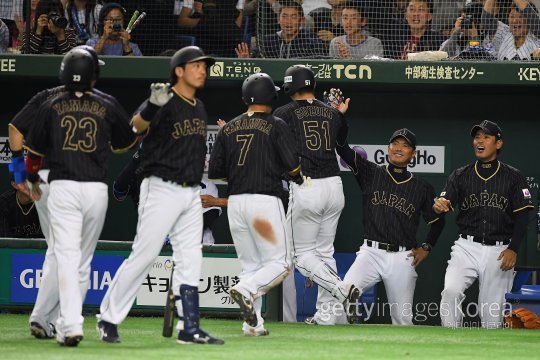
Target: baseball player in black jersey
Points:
(18, 215)
(493, 201)
(75, 132)
(314, 208)
(252, 152)
(47, 303)
(172, 162)
(393, 201)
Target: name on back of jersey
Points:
(305, 111)
(76, 105)
(248, 124)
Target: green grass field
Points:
(141, 339)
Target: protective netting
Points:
(326, 29)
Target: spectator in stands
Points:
(519, 39)
(413, 33)
(354, 44)
(467, 40)
(18, 215)
(113, 39)
(4, 37)
(49, 34)
(215, 23)
(83, 18)
(10, 10)
(292, 41)
(445, 13)
(20, 23)
(326, 23)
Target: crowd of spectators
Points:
(331, 29)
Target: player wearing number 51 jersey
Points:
(314, 208)
(75, 132)
(252, 152)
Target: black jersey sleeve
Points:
(429, 215)
(451, 190)
(360, 167)
(122, 137)
(25, 118)
(217, 168)
(521, 198)
(38, 137)
(285, 146)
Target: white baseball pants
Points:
(77, 213)
(312, 220)
(257, 224)
(394, 269)
(470, 261)
(164, 208)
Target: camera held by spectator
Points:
(117, 27)
(57, 20)
(467, 22)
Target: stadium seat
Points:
(523, 295)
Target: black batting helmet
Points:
(186, 55)
(97, 61)
(298, 77)
(77, 70)
(259, 88)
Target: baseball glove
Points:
(522, 318)
(333, 97)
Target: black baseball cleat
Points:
(108, 332)
(352, 305)
(246, 308)
(39, 332)
(198, 337)
(70, 341)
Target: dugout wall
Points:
(439, 101)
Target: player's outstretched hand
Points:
(418, 255)
(508, 259)
(221, 123)
(442, 205)
(160, 93)
(334, 97)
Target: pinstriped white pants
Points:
(257, 224)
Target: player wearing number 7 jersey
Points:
(75, 132)
(252, 152)
(314, 210)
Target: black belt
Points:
(484, 241)
(386, 247)
(183, 183)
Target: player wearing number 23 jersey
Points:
(75, 131)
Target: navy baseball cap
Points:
(489, 128)
(405, 133)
